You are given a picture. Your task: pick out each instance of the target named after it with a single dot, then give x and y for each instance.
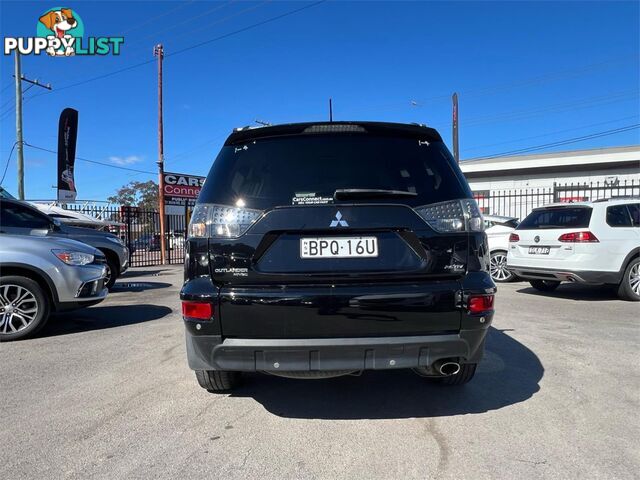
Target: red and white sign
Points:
(178, 185)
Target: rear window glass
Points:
(308, 169)
(562, 217)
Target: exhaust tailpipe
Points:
(449, 368)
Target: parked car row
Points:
(48, 266)
(587, 242)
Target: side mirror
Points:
(55, 225)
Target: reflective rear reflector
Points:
(197, 310)
(480, 303)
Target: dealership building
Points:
(514, 185)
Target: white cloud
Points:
(130, 160)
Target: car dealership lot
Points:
(106, 393)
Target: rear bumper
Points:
(566, 275)
(210, 352)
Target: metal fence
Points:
(140, 228)
(518, 203)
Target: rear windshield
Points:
(307, 170)
(562, 217)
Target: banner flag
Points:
(67, 136)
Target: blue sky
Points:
(528, 73)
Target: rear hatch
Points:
(336, 233)
(540, 241)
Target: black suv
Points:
(323, 249)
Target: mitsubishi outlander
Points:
(325, 249)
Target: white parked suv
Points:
(589, 242)
(498, 230)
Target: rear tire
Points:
(629, 288)
(465, 375)
(544, 285)
(217, 381)
(498, 267)
(22, 301)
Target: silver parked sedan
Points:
(39, 275)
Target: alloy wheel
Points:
(107, 275)
(634, 279)
(498, 267)
(18, 308)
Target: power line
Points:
(554, 108)
(6, 167)
(163, 14)
(516, 140)
(495, 89)
(221, 20)
(249, 27)
(559, 74)
(183, 21)
(566, 141)
(91, 161)
(206, 42)
(99, 77)
(526, 113)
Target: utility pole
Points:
(330, 110)
(158, 51)
(456, 146)
(19, 141)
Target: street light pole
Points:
(158, 51)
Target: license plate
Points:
(342, 247)
(539, 250)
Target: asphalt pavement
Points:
(105, 392)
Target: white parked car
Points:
(589, 242)
(498, 230)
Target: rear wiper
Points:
(365, 193)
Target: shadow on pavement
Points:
(143, 273)
(121, 286)
(509, 373)
(572, 291)
(99, 318)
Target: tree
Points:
(137, 194)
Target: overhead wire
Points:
(180, 51)
(565, 141)
(104, 164)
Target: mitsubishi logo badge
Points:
(338, 222)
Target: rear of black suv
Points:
(323, 249)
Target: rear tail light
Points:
(197, 310)
(514, 237)
(219, 221)
(578, 237)
(480, 303)
(454, 216)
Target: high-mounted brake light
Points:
(578, 237)
(197, 310)
(480, 303)
(514, 237)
